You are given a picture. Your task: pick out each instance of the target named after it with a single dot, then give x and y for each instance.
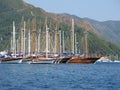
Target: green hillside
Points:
(13, 10)
(108, 29)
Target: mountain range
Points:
(103, 36)
(108, 29)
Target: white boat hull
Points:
(44, 61)
(11, 62)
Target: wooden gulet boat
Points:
(44, 60)
(13, 59)
(81, 59)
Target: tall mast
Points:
(14, 40)
(55, 41)
(46, 39)
(72, 37)
(29, 36)
(22, 35)
(34, 36)
(63, 42)
(39, 38)
(86, 38)
(57, 38)
(75, 43)
(60, 41)
(51, 37)
(86, 42)
(18, 46)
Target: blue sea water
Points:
(60, 77)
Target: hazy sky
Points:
(101, 10)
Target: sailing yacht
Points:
(44, 59)
(12, 58)
(81, 59)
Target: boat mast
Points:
(51, 37)
(39, 38)
(46, 39)
(75, 43)
(34, 36)
(55, 41)
(72, 37)
(86, 43)
(29, 36)
(14, 41)
(49, 43)
(63, 42)
(86, 38)
(57, 38)
(24, 37)
(17, 46)
(60, 41)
